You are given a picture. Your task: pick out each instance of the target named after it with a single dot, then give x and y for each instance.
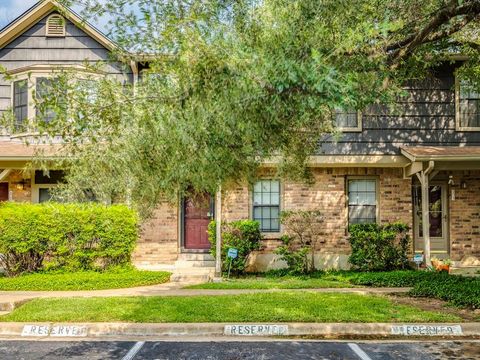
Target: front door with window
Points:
(438, 220)
(197, 214)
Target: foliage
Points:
(379, 247)
(231, 83)
(303, 231)
(116, 278)
(243, 235)
(66, 236)
(284, 306)
(457, 290)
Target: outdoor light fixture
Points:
(463, 184)
(450, 180)
(21, 185)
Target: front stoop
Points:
(193, 268)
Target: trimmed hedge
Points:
(47, 236)
(379, 247)
(243, 235)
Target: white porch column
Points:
(423, 176)
(218, 230)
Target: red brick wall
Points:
(158, 243)
(465, 216)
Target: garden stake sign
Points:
(231, 254)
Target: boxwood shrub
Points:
(379, 247)
(65, 236)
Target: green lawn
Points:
(84, 280)
(269, 307)
(284, 282)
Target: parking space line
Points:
(360, 353)
(134, 350)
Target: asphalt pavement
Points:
(238, 350)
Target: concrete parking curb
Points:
(321, 330)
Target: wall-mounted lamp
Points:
(450, 180)
(21, 184)
(463, 184)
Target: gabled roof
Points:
(40, 10)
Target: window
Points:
(468, 107)
(362, 201)
(20, 101)
(348, 120)
(55, 26)
(266, 205)
(43, 89)
(44, 195)
(43, 184)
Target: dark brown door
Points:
(3, 191)
(197, 215)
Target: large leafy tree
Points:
(231, 84)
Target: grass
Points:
(84, 280)
(268, 307)
(284, 282)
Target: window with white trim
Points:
(38, 93)
(347, 120)
(20, 101)
(266, 205)
(362, 201)
(468, 106)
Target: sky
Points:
(10, 9)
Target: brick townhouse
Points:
(388, 165)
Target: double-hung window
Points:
(266, 205)
(44, 89)
(468, 107)
(362, 201)
(347, 120)
(20, 102)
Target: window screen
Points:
(266, 205)
(362, 201)
(469, 106)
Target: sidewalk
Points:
(10, 299)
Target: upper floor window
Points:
(468, 107)
(266, 205)
(362, 201)
(20, 101)
(55, 26)
(39, 94)
(348, 120)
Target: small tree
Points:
(303, 230)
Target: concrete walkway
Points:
(10, 299)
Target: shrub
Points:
(302, 234)
(457, 290)
(379, 247)
(65, 236)
(243, 235)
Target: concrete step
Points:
(195, 257)
(194, 264)
(191, 278)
